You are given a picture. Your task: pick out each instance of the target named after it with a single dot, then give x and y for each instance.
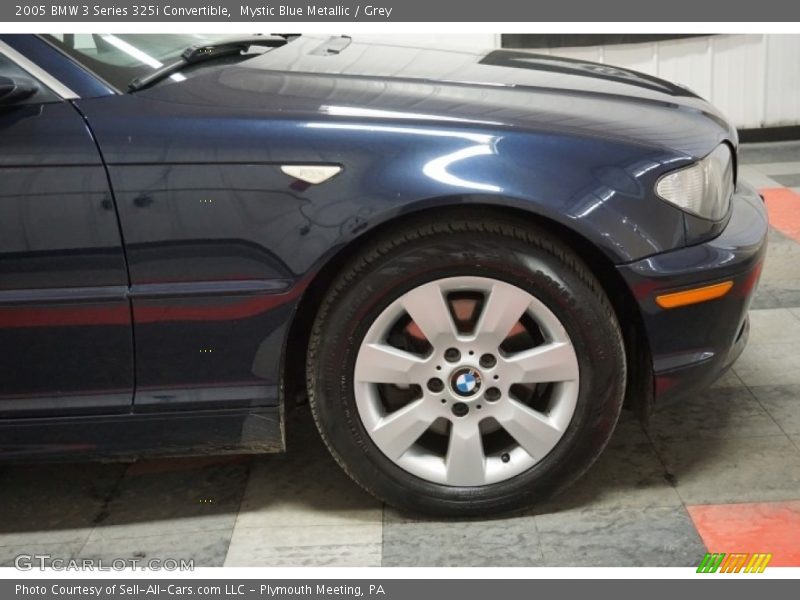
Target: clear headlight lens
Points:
(703, 189)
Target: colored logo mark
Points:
(720, 562)
(466, 381)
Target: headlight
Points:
(705, 188)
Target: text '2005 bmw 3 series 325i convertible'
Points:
(469, 261)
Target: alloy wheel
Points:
(466, 381)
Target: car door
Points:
(65, 324)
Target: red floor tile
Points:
(783, 206)
(769, 527)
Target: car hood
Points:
(344, 77)
(339, 55)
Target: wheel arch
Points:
(640, 384)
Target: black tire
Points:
(466, 243)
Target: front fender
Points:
(600, 189)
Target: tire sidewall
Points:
(549, 277)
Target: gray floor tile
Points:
(304, 486)
(786, 292)
(764, 298)
(779, 285)
(628, 431)
(660, 536)
(782, 402)
(625, 476)
(363, 555)
(779, 244)
(772, 152)
(782, 264)
(778, 293)
(773, 326)
(315, 545)
(779, 168)
(769, 358)
(308, 492)
(301, 509)
(756, 177)
(733, 469)
(54, 503)
(729, 379)
(56, 534)
(510, 542)
(717, 412)
(174, 502)
(54, 551)
(789, 180)
(769, 364)
(206, 548)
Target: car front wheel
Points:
(468, 367)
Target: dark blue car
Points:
(468, 262)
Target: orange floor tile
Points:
(783, 206)
(770, 527)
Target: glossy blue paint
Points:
(220, 245)
(692, 345)
(65, 324)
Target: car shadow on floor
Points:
(63, 503)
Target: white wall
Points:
(472, 41)
(753, 79)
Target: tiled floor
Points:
(721, 472)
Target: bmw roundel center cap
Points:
(466, 381)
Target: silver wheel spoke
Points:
(427, 307)
(456, 361)
(395, 433)
(465, 462)
(544, 364)
(380, 363)
(504, 307)
(531, 429)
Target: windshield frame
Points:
(45, 38)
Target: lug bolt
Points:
(460, 409)
(505, 457)
(492, 394)
(435, 384)
(488, 361)
(452, 355)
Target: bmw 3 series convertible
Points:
(468, 263)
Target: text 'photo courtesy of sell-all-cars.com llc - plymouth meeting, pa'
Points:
(469, 266)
